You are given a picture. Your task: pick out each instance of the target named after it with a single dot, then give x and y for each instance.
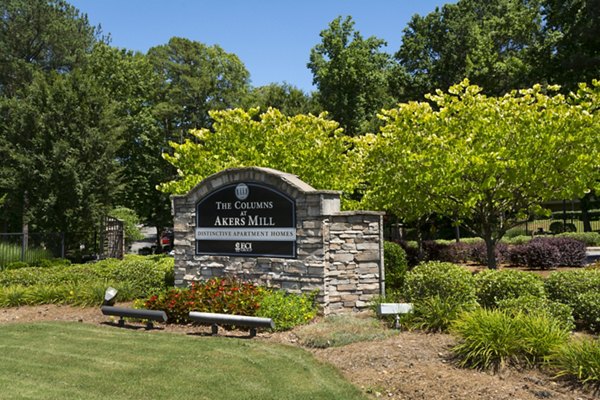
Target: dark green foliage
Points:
(493, 339)
(586, 309)
(492, 43)
(64, 139)
(196, 79)
(351, 74)
(496, 285)
(396, 265)
(445, 280)
(580, 290)
(565, 286)
(531, 305)
(285, 97)
(40, 35)
(571, 42)
(560, 227)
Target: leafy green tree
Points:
(195, 79)
(492, 43)
(285, 97)
(489, 161)
(571, 51)
(351, 74)
(144, 140)
(46, 35)
(311, 147)
(130, 223)
(61, 141)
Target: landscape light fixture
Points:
(110, 296)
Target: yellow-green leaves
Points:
(486, 160)
(309, 146)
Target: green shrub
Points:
(579, 359)
(528, 304)
(589, 238)
(396, 265)
(516, 240)
(47, 294)
(516, 232)
(287, 310)
(586, 309)
(13, 296)
(134, 277)
(566, 286)
(492, 339)
(440, 279)
(436, 314)
(16, 265)
(496, 285)
(50, 262)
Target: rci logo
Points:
(242, 191)
(243, 247)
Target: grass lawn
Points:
(80, 361)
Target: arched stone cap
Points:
(285, 182)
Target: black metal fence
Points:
(107, 242)
(30, 248)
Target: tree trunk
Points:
(159, 230)
(490, 246)
(585, 217)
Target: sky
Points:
(273, 38)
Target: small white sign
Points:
(394, 308)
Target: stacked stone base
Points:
(340, 254)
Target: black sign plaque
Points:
(246, 219)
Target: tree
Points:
(486, 160)
(493, 43)
(196, 79)
(571, 52)
(285, 97)
(351, 74)
(309, 146)
(46, 35)
(60, 143)
(144, 140)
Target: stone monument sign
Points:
(270, 227)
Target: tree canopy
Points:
(59, 155)
(488, 161)
(351, 74)
(492, 43)
(309, 146)
(196, 79)
(285, 97)
(46, 35)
